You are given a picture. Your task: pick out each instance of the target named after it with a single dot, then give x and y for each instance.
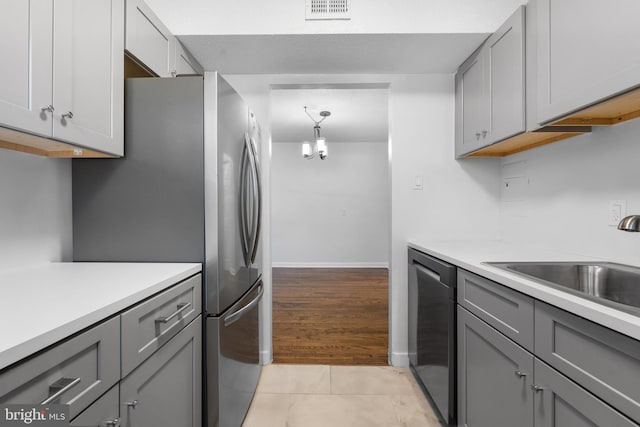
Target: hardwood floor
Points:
(330, 316)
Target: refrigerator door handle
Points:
(242, 201)
(257, 200)
(230, 319)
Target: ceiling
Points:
(332, 53)
(358, 113)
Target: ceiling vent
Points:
(328, 9)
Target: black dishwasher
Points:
(432, 330)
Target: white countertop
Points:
(44, 304)
(471, 255)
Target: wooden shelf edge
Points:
(529, 140)
(32, 144)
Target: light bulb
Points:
(307, 153)
(322, 145)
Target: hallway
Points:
(331, 316)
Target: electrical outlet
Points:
(617, 211)
(418, 182)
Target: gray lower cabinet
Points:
(102, 413)
(166, 390)
(559, 402)
(75, 372)
(494, 377)
(601, 360)
(509, 311)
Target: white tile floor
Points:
(338, 396)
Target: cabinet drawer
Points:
(104, 412)
(80, 370)
(149, 325)
(602, 361)
(508, 311)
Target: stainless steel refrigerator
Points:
(187, 190)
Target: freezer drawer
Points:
(147, 326)
(75, 372)
(233, 360)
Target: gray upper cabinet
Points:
(166, 390)
(150, 43)
(27, 65)
(64, 72)
(88, 74)
(148, 40)
(506, 64)
(588, 50)
(561, 403)
(185, 64)
(490, 89)
(494, 377)
(472, 105)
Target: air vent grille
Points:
(328, 9)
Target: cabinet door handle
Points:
(536, 388)
(133, 404)
(60, 387)
(68, 115)
(521, 374)
(478, 135)
(484, 133)
(114, 422)
(48, 108)
(181, 307)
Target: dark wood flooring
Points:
(330, 316)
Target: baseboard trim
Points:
(330, 265)
(400, 359)
(265, 357)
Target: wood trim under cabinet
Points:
(529, 140)
(26, 143)
(607, 113)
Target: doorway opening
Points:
(330, 225)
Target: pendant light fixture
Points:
(319, 146)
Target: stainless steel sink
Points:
(613, 284)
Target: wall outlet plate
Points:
(617, 211)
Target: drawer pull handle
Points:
(60, 387)
(521, 374)
(181, 307)
(133, 404)
(536, 388)
(114, 422)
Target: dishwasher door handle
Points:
(435, 276)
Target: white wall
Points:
(35, 210)
(332, 212)
(367, 17)
(559, 193)
(460, 199)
